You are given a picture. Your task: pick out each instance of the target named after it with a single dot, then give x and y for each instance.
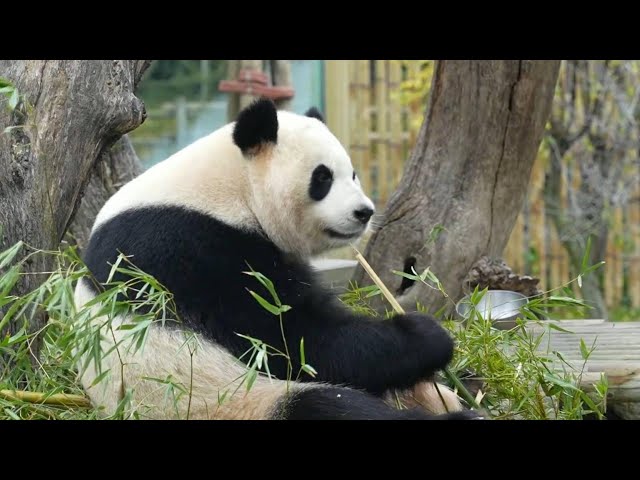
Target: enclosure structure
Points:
(362, 103)
(535, 245)
(365, 110)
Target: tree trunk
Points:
(71, 113)
(466, 179)
(117, 166)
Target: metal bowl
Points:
(502, 307)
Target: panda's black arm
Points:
(371, 354)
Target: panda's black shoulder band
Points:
(257, 125)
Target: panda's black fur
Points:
(256, 127)
(211, 292)
(204, 261)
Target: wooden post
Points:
(513, 252)
(634, 231)
(233, 100)
(281, 71)
(537, 223)
(204, 80)
(247, 99)
(181, 122)
(563, 255)
(395, 119)
(239, 101)
(360, 123)
(382, 131)
(557, 250)
(337, 85)
(614, 273)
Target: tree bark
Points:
(117, 166)
(467, 177)
(71, 113)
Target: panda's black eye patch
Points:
(354, 176)
(321, 180)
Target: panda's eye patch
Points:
(354, 176)
(321, 180)
(322, 174)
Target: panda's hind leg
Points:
(335, 403)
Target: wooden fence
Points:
(365, 115)
(534, 245)
(364, 111)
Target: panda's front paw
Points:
(425, 337)
(465, 415)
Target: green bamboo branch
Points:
(61, 399)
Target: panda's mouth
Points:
(344, 236)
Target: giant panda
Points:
(263, 193)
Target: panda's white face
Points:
(306, 195)
(339, 209)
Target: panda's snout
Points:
(363, 214)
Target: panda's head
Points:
(303, 189)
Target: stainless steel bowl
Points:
(502, 307)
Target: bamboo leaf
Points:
(260, 357)
(564, 301)
(265, 304)
(14, 99)
(309, 369)
(8, 281)
(251, 378)
(558, 381)
(268, 284)
(553, 326)
(407, 275)
(114, 268)
(584, 352)
(99, 378)
(7, 256)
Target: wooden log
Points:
(616, 355)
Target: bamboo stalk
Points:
(463, 392)
(62, 399)
(385, 291)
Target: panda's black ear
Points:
(313, 112)
(256, 125)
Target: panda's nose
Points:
(364, 214)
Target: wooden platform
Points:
(616, 354)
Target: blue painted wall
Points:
(308, 82)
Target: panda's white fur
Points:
(265, 195)
(211, 175)
(211, 375)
